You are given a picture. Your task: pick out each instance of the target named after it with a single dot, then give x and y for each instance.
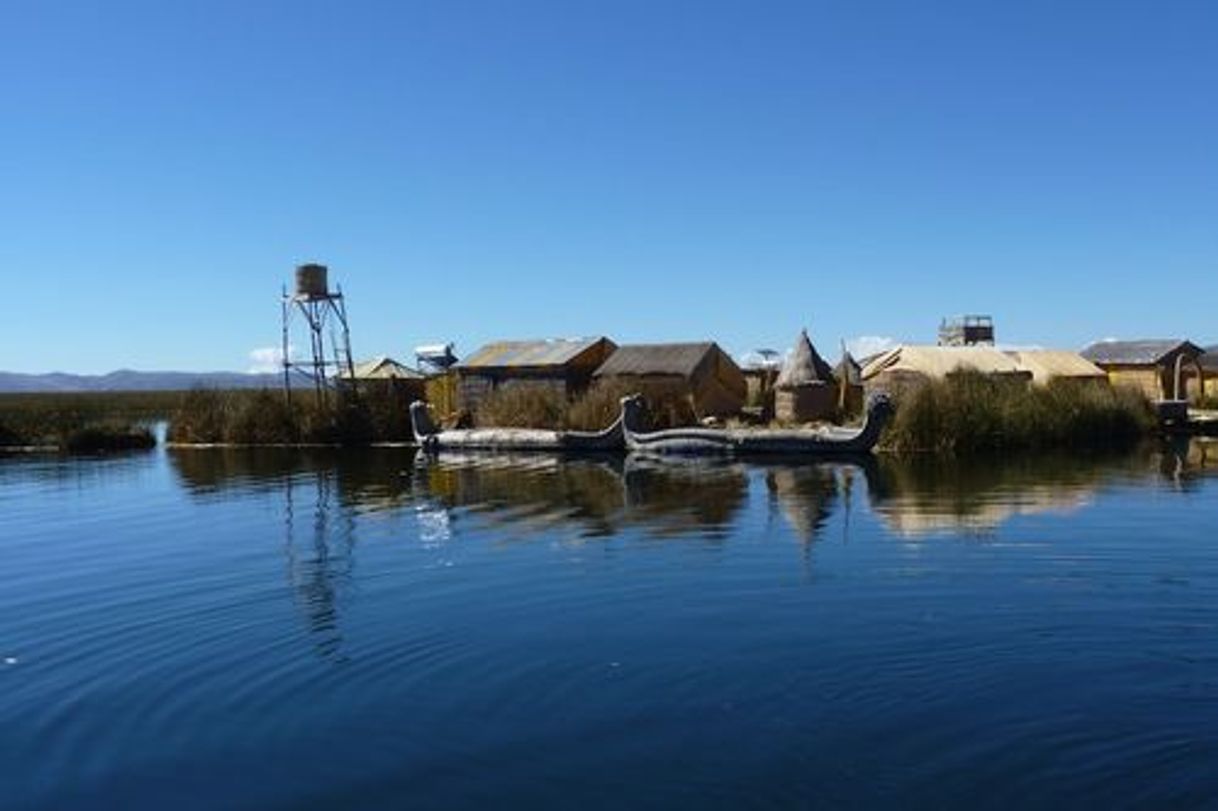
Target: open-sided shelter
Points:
(1208, 363)
(562, 365)
(1161, 368)
(701, 371)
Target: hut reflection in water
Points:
(328, 498)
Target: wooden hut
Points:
(805, 389)
(911, 365)
(561, 365)
(702, 372)
(1161, 368)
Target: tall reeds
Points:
(263, 417)
(971, 412)
(79, 421)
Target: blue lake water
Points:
(225, 629)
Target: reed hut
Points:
(849, 376)
(806, 389)
(761, 368)
(1161, 368)
(912, 365)
(1046, 365)
(386, 374)
(562, 365)
(701, 372)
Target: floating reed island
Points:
(948, 399)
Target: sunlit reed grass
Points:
(972, 412)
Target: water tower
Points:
(325, 317)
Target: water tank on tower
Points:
(311, 282)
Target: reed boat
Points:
(430, 438)
(801, 442)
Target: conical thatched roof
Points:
(804, 366)
(848, 370)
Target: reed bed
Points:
(82, 422)
(263, 417)
(972, 412)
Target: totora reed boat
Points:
(812, 442)
(430, 438)
(625, 434)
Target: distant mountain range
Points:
(128, 380)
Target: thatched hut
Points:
(562, 365)
(805, 389)
(386, 374)
(1161, 368)
(701, 372)
(1046, 365)
(910, 365)
(849, 376)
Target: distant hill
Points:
(128, 380)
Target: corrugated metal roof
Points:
(804, 365)
(1046, 364)
(1147, 352)
(529, 354)
(656, 359)
(940, 361)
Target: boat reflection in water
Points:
(596, 497)
(328, 499)
(601, 496)
(372, 628)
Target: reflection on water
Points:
(319, 544)
(324, 492)
(600, 496)
(382, 629)
(365, 480)
(808, 494)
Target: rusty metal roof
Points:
(530, 354)
(680, 359)
(1138, 353)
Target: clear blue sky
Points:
(646, 170)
